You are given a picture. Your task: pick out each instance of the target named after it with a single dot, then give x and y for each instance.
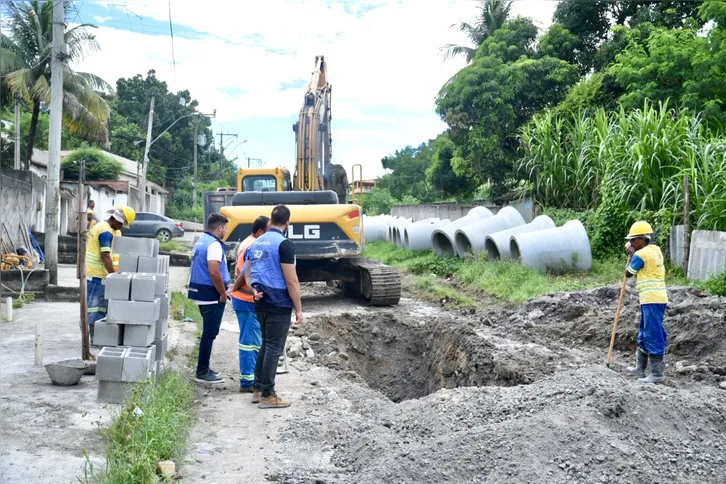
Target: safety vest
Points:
(241, 262)
(650, 280)
(94, 262)
(266, 273)
(201, 287)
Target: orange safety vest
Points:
(243, 296)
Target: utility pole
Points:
(52, 188)
(145, 168)
(196, 121)
(82, 234)
(16, 165)
(221, 149)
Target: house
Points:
(106, 194)
(362, 186)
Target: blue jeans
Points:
(96, 302)
(651, 333)
(250, 340)
(211, 321)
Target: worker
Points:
(647, 265)
(243, 303)
(89, 218)
(208, 289)
(92, 208)
(270, 272)
(99, 260)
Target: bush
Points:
(717, 285)
(99, 165)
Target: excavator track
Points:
(380, 284)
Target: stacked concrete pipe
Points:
(471, 239)
(394, 231)
(497, 244)
(442, 239)
(558, 249)
(418, 236)
(375, 228)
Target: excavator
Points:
(327, 231)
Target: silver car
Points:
(154, 225)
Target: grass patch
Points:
(716, 285)
(182, 307)
(430, 285)
(508, 280)
(137, 440)
(174, 246)
(20, 301)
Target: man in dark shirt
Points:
(270, 272)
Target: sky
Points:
(252, 60)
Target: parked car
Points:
(154, 225)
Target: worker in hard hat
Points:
(89, 218)
(100, 260)
(646, 264)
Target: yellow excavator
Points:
(327, 231)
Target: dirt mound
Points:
(405, 357)
(586, 425)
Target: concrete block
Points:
(134, 246)
(108, 334)
(113, 391)
(153, 357)
(118, 286)
(149, 265)
(133, 312)
(164, 306)
(137, 365)
(139, 335)
(161, 347)
(162, 327)
(109, 363)
(165, 260)
(128, 263)
(143, 287)
(162, 282)
(159, 367)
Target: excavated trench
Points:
(405, 358)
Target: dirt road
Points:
(421, 393)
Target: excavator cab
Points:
(263, 180)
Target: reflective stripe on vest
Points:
(94, 261)
(201, 287)
(266, 274)
(650, 280)
(241, 262)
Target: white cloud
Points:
(387, 61)
(102, 20)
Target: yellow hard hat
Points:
(640, 228)
(89, 212)
(125, 215)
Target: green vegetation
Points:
(99, 166)
(153, 426)
(182, 307)
(716, 285)
(20, 301)
(174, 246)
(508, 280)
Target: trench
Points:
(406, 358)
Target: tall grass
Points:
(638, 158)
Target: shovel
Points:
(617, 316)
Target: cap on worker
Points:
(640, 228)
(89, 212)
(123, 214)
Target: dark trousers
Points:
(211, 321)
(274, 334)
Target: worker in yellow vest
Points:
(647, 265)
(89, 219)
(100, 261)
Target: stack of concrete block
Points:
(134, 334)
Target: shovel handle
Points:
(617, 316)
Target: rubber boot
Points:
(641, 362)
(656, 370)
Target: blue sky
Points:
(251, 61)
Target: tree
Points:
(492, 15)
(409, 167)
(99, 166)
(25, 58)
(489, 101)
(441, 173)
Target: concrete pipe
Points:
(397, 231)
(497, 244)
(558, 249)
(442, 239)
(418, 236)
(375, 229)
(471, 239)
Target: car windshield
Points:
(259, 183)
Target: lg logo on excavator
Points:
(309, 232)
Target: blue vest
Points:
(201, 287)
(266, 273)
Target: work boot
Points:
(273, 401)
(641, 362)
(246, 389)
(656, 370)
(256, 397)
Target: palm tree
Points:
(492, 16)
(25, 58)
